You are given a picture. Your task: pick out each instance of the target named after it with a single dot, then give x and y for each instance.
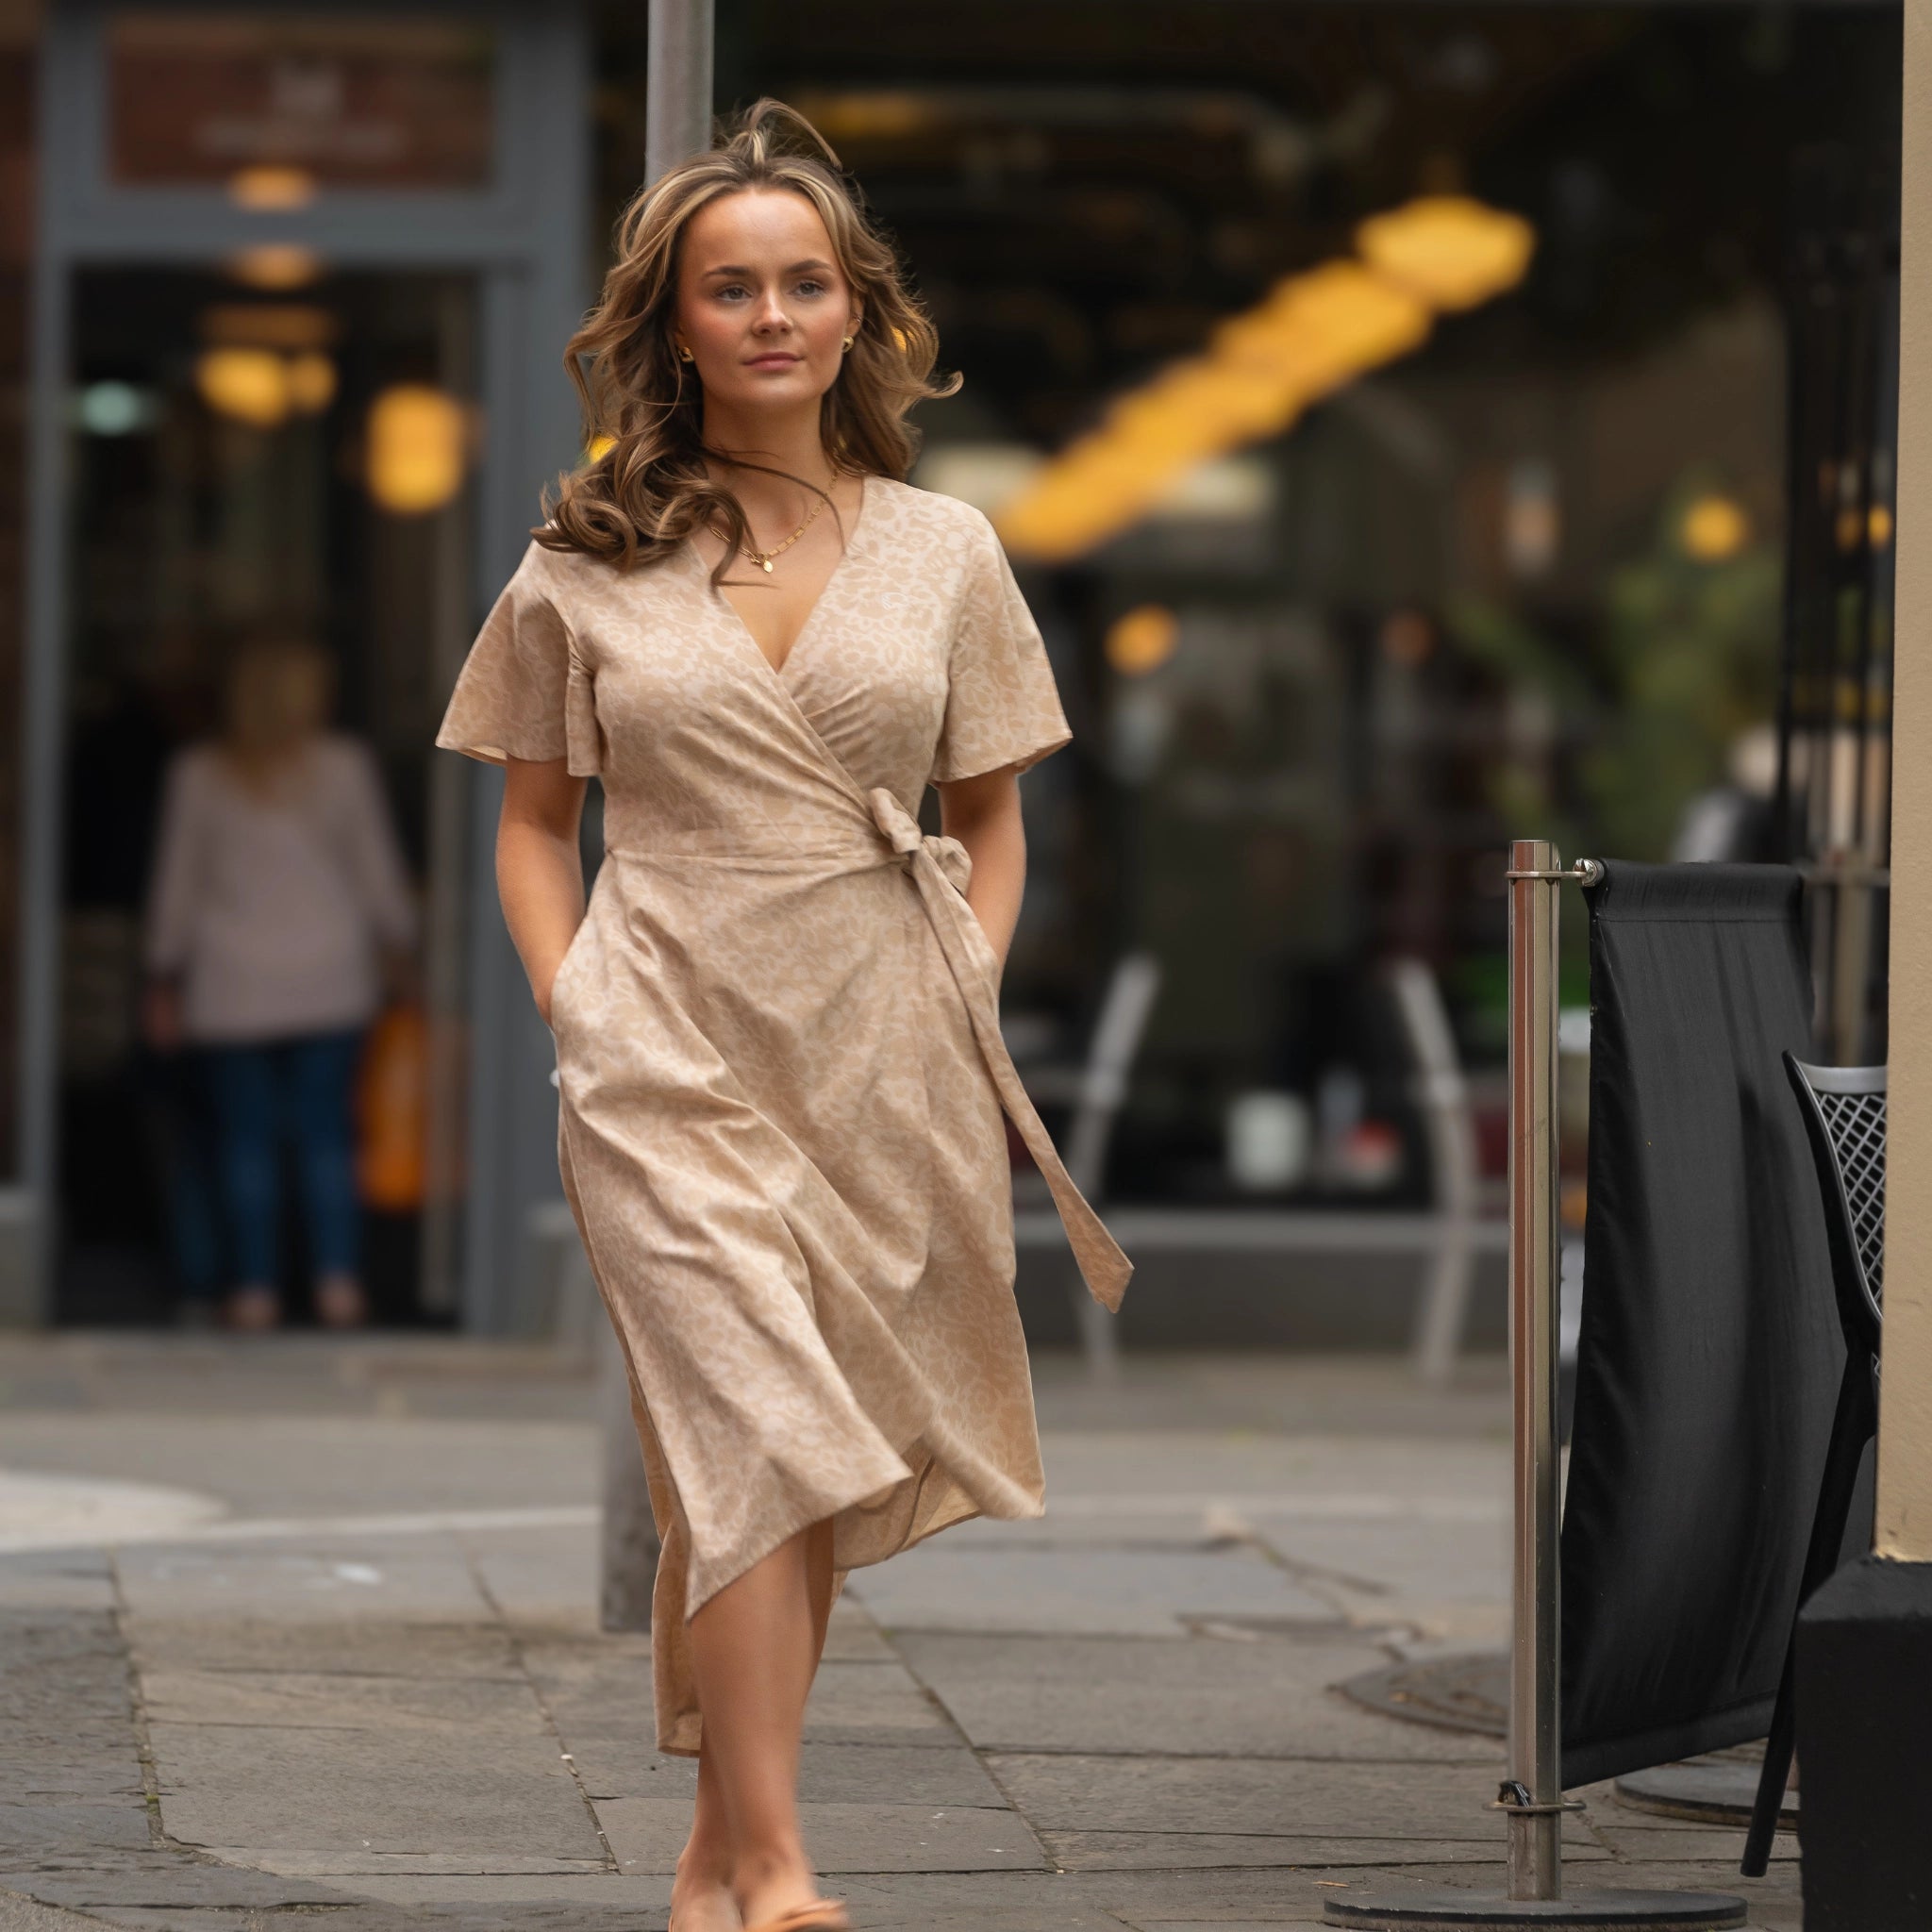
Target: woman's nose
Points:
(772, 315)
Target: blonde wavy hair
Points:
(648, 490)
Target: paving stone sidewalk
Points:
(329, 1649)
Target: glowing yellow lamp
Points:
(272, 186)
(278, 265)
(1450, 250)
(1324, 329)
(249, 385)
(1714, 527)
(415, 448)
(312, 380)
(1142, 640)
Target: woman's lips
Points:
(773, 361)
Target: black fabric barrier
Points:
(1710, 1350)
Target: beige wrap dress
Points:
(777, 1038)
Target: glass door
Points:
(263, 454)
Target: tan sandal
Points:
(820, 1915)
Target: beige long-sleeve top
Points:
(272, 911)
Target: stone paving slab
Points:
(264, 1461)
(162, 1880)
(449, 1706)
(30, 1830)
(1647, 1845)
(829, 1772)
(1262, 1698)
(1095, 1592)
(645, 1895)
(65, 1579)
(386, 1579)
(19, 1913)
(1158, 1851)
(1326, 1477)
(349, 1647)
(874, 1704)
(295, 1788)
(590, 1695)
(647, 1833)
(353, 1868)
(1281, 1798)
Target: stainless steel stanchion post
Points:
(1531, 1798)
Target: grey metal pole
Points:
(1536, 1862)
(678, 91)
(677, 123)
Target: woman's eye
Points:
(811, 288)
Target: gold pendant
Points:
(766, 563)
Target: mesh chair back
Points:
(1844, 1112)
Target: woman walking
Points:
(776, 1021)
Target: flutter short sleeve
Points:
(524, 692)
(1002, 705)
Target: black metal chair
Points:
(1844, 1118)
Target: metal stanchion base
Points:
(1456, 1911)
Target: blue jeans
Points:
(296, 1089)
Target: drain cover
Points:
(1468, 1692)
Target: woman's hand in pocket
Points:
(540, 875)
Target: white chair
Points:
(1095, 1091)
(1441, 1096)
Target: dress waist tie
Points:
(940, 868)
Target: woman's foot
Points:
(769, 1887)
(339, 1301)
(701, 1899)
(815, 1915)
(254, 1308)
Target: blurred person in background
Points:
(279, 906)
(1735, 820)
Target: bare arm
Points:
(540, 873)
(983, 813)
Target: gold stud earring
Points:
(684, 354)
(847, 344)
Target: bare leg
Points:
(754, 1648)
(701, 1897)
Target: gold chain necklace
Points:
(763, 558)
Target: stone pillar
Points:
(1865, 1639)
(1904, 1401)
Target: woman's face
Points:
(762, 303)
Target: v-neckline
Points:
(735, 617)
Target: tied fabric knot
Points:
(901, 831)
(976, 969)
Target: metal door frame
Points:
(523, 238)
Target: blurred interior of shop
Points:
(243, 454)
(1397, 413)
